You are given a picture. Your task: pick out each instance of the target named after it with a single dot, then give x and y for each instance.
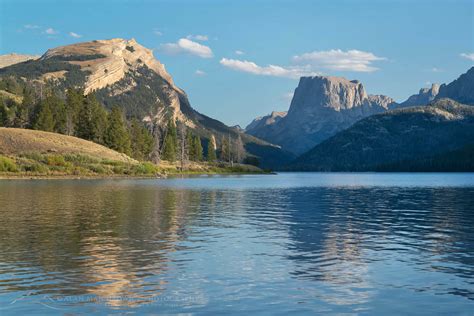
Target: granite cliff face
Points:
(461, 89)
(321, 107)
(435, 137)
(425, 96)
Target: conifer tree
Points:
(92, 120)
(211, 149)
(170, 143)
(116, 135)
(197, 148)
(25, 110)
(141, 140)
(44, 118)
(74, 102)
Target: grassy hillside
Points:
(30, 153)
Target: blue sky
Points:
(220, 52)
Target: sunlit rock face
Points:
(12, 59)
(425, 96)
(321, 107)
(266, 120)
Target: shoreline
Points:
(121, 177)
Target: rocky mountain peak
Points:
(424, 96)
(322, 92)
(460, 89)
(108, 60)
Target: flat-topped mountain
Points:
(321, 107)
(124, 73)
(436, 137)
(11, 59)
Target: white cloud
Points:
(270, 70)
(75, 35)
(435, 69)
(51, 31)
(336, 59)
(31, 26)
(239, 52)
(200, 73)
(198, 37)
(184, 45)
(469, 56)
(157, 32)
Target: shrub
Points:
(56, 160)
(36, 168)
(146, 168)
(7, 165)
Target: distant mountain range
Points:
(123, 72)
(420, 138)
(332, 123)
(323, 106)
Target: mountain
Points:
(461, 89)
(263, 121)
(415, 138)
(11, 59)
(123, 72)
(321, 107)
(425, 96)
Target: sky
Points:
(240, 59)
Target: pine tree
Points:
(44, 118)
(225, 150)
(74, 101)
(141, 140)
(91, 120)
(211, 149)
(170, 143)
(116, 135)
(25, 110)
(197, 148)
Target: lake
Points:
(292, 243)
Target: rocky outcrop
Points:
(116, 57)
(321, 107)
(262, 121)
(461, 89)
(425, 96)
(12, 59)
(399, 140)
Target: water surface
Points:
(289, 243)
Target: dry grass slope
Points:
(15, 141)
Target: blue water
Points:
(292, 243)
